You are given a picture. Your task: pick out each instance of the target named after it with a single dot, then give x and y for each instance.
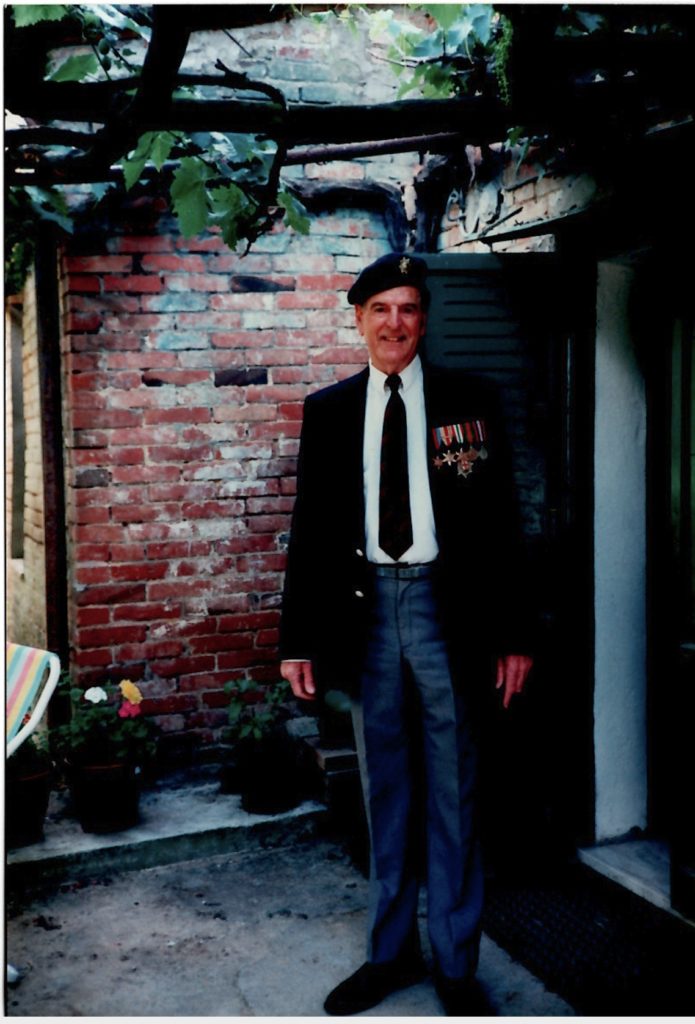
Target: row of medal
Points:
(460, 444)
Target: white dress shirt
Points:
(424, 547)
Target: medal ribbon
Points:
(471, 432)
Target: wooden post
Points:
(48, 330)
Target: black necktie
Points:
(395, 527)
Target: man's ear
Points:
(423, 325)
(359, 318)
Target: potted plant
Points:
(28, 781)
(103, 748)
(265, 766)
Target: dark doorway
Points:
(668, 342)
(526, 322)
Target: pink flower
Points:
(129, 710)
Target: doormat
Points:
(600, 947)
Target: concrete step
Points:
(178, 823)
(641, 865)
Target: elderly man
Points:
(403, 578)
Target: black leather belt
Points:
(403, 570)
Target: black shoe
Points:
(370, 984)
(462, 997)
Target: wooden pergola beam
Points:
(352, 131)
(554, 94)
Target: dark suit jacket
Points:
(480, 576)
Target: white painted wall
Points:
(620, 564)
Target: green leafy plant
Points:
(444, 58)
(255, 713)
(106, 725)
(440, 58)
(266, 764)
(231, 181)
(215, 179)
(102, 28)
(32, 14)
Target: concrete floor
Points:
(261, 918)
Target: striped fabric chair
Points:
(28, 691)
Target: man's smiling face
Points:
(392, 323)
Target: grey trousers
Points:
(412, 729)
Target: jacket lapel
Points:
(353, 412)
(432, 388)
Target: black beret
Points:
(391, 271)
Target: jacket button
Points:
(359, 552)
(358, 593)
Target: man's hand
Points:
(300, 676)
(512, 672)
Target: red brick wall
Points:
(519, 195)
(185, 371)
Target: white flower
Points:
(95, 695)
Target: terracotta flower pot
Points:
(26, 804)
(106, 797)
(270, 774)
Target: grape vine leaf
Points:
(32, 14)
(295, 214)
(75, 68)
(189, 195)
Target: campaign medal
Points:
(460, 445)
(481, 436)
(465, 460)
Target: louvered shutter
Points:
(500, 316)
